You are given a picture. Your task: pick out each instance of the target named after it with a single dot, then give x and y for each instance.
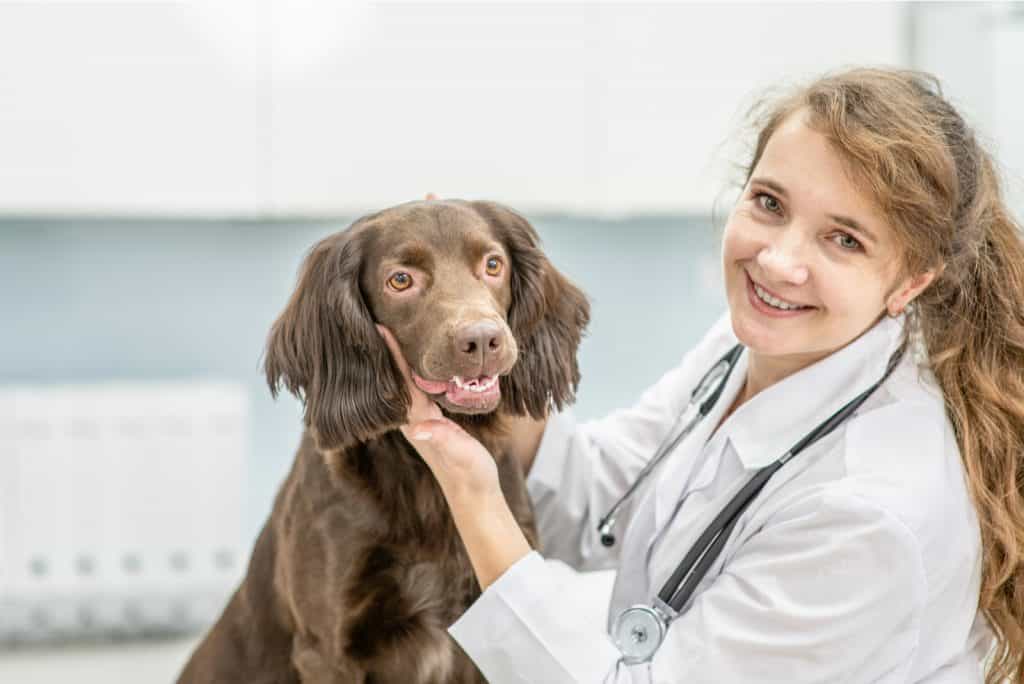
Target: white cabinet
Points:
(120, 507)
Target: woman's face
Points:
(805, 238)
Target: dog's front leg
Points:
(247, 645)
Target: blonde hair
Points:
(909, 149)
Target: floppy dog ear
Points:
(548, 316)
(325, 350)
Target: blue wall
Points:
(85, 300)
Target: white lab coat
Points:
(858, 562)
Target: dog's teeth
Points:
(475, 384)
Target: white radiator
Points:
(120, 508)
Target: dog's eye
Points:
(400, 281)
(493, 266)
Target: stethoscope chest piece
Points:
(638, 632)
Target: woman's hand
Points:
(461, 464)
(469, 481)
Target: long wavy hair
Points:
(908, 149)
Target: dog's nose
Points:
(478, 340)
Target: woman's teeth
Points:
(774, 301)
(481, 384)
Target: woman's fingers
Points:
(430, 196)
(459, 461)
(422, 407)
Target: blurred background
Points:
(164, 167)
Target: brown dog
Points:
(359, 570)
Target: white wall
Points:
(246, 107)
(977, 49)
(1008, 108)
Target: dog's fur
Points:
(359, 570)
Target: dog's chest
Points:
(392, 576)
(394, 610)
(382, 602)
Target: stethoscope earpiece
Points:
(605, 531)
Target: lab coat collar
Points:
(765, 427)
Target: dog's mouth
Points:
(473, 394)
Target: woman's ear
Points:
(907, 290)
(325, 350)
(548, 316)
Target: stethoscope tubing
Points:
(651, 622)
(698, 560)
(607, 523)
(719, 372)
(705, 550)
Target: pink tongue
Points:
(429, 386)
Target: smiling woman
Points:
(803, 275)
(931, 223)
(863, 509)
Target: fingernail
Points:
(424, 436)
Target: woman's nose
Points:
(783, 259)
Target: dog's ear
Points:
(548, 316)
(325, 350)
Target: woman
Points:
(870, 226)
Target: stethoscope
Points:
(639, 630)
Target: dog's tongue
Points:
(429, 386)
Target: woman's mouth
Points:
(768, 304)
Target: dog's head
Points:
(483, 318)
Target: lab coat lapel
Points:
(679, 537)
(687, 469)
(758, 433)
(773, 421)
(766, 426)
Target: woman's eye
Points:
(493, 266)
(400, 281)
(847, 242)
(768, 202)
